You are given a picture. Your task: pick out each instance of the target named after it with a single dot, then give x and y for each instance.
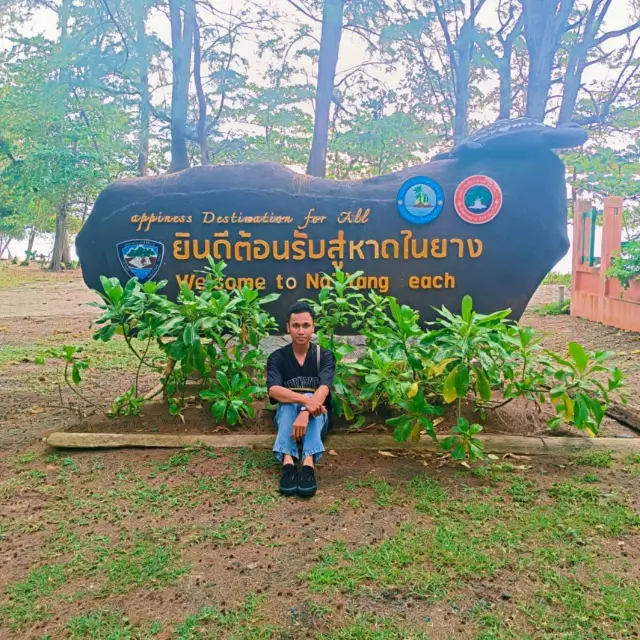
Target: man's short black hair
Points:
(301, 307)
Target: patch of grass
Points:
(69, 464)
(26, 458)
(599, 459)
(18, 354)
(232, 532)
(36, 474)
(633, 462)
(109, 625)
(145, 564)
(134, 494)
(427, 491)
(589, 478)
(9, 486)
(117, 566)
(569, 492)
(178, 460)
(27, 602)
(556, 308)
(523, 491)
(422, 562)
(13, 278)
(368, 627)
(333, 509)
(385, 493)
(597, 608)
(244, 462)
(210, 622)
(318, 610)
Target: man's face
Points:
(300, 327)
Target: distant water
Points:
(44, 245)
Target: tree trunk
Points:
(197, 77)
(61, 235)
(545, 22)
(328, 59)
(4, 246)
(460, 53)
(504, 73)
(570, 89)
(461, 117)
(578, 59)
(502, 64)
(32, 239)
(181, 43)
(63, 78)
(66, 249)
(85, 210)
(143, 87)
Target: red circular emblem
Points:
(478, 199)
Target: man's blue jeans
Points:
(312, 439)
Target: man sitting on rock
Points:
(299, 379)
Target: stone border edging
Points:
(492, 444)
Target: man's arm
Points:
(315, 404)
(287, 396)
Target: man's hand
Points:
(300, 425)
(314, 407)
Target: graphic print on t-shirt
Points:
(302, 383)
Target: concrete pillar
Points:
(611, 238)
(611, 229)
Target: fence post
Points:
(611, 229)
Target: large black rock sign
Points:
(488, 219)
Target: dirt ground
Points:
(188, 545)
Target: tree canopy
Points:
(95, 90)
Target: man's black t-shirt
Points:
(283, 370)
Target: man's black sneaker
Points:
(289, 480)
(307, 486)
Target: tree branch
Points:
(85, 119)
(304, 11)
(616, 34)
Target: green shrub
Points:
(409, 372)
(626, 264)
(557, 308)
(553, 277)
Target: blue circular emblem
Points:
(420, 200)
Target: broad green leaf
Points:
(449, 389)
(75, 375)
(581, 411)
(232, 415)
(402, 432)
(462, 380)
(483, 387)
(438, 369)
(579, 356)
(467, 307)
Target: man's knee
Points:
(286, 414)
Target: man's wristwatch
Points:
(303, 409)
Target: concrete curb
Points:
(492, 444)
